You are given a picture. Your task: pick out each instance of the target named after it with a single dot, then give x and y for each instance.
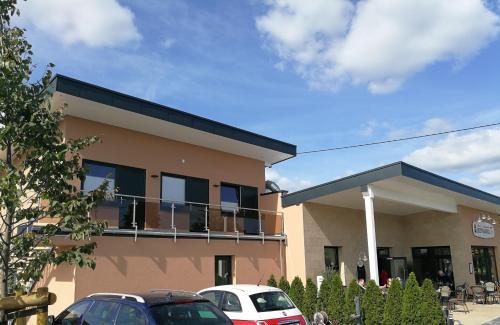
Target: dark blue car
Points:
(158, 307)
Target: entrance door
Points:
(398, 268)
(485, 268)
(131, 181)
(223, 270)
(197, 191)
(250, 200)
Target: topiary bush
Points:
(310, 299)
(429, 310)
(373, 304)
(353, 290)
(393, 304)
(271, 282)
(411, 301)
(324, 291)
(335, 306)
(284, 285)
(297, 293)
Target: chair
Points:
(490, 290)
(460, 299)
(445, 293)
(478, 294)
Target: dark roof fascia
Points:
(133, 104)
(385, 172)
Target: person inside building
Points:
(443, 279)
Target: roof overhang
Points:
(399, 189)
(106, 106)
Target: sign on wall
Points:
(483, 229)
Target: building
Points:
(190, 209)
(396, 218)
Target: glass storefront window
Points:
(485, 268)
(433, 263)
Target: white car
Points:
(247, 304)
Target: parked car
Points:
(254, 304)
(158, 307)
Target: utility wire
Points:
(399, 139)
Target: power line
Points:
(399, 139)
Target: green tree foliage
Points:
(284, 285)
(39, 167)
(297, 292)
(393, 304)
(324, 291)
(310, 299)
(272, 281)
(335, 307)
(429, 310)
(353, 290)
(373, 304)
(411, 301)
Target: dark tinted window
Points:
(199, 313)
(101, 313)
(213, 296)
(270, 301)
(96, 175)
(229, 198)
(231, 302)
(129, 315)
(223, 270)
(332, 258)
(71, 316)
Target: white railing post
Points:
(260, 227)
(174, 228)
(134, 223)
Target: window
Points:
(485, 267)
(271, 301)
(101, 312)
(173, 189)
(229, 198)
(434, 263)
(231, 303)
(198, 312)
(223, 270)
(129, 315)
(71, 316)
(96, 174)
(213, 296)
(332, 258)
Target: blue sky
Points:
(316, 74)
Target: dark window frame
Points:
(185, 178)
(337, 249)
(239, 187)
(231, 269)
(494, 264)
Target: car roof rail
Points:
(121, 295)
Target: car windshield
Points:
(189, 313)
(272, 300)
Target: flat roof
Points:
(382, 173)
(84, 90)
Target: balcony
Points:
(144, 216)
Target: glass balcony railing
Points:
(141, 214)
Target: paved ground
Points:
(479, 315)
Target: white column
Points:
(370, 232)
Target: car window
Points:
(231, 302)
(71, 316)
(101, 313)
(213, 296)
(129, 315)
(190, 313)
(271, 300)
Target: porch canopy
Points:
(396, 189)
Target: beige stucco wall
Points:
(325, 225)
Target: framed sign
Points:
(483, 229)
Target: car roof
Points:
(153, 297)
(248, 289)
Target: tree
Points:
(353, 290)
(284, 285)
(40, 173)
(297, 293)
(310, 299)
(411, 300)
(336, 300)
(271, 282)
(429, 310)
(393, 304)
(373, 304)
(324, 291)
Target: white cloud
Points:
(490, 177)
(168, 42)
(95, 23)
(285, 183)
(379, 43)
(475, 150)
